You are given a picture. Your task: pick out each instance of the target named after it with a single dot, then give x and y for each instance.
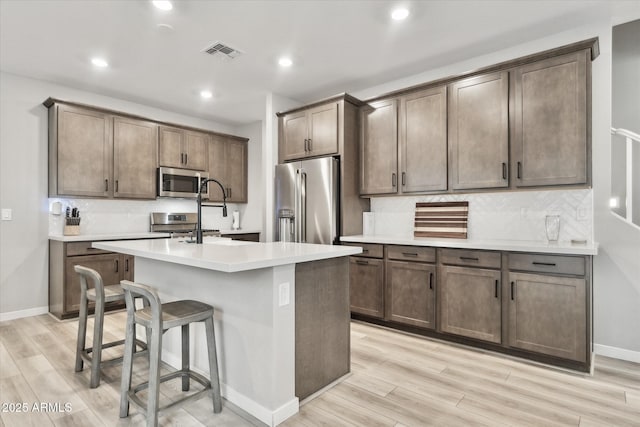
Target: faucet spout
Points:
(199, 201)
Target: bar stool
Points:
(101, 295)
(159, 318)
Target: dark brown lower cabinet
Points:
(64, 283)
(366, 283)
(470, 303)
(547, 314)
(411, 289)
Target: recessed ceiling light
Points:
(285, 62)
(399, 14)
(163, 4)
(206, 94)
(99, 62)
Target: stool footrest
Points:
(133, 398)
(89, 359)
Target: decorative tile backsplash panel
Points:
(498, 216)
(124, 216)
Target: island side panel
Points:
(254, 334)
(322, 324)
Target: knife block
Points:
(71, 230)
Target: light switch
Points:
(7, 214)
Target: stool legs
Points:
(185, 356)
(213, 365)
(154, 376)
(82, 331)
(96, 353)
(127, 366)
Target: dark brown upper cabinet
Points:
(228, 159)
(479, 132)
(183, 148)
(379, 148)
(550, 138)
(423, 141)
(310, 133)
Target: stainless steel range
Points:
(178, 224)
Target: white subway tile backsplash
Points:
(123, 216)
(504, 216)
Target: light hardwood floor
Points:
(397, 380)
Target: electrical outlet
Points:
(283, 293)
(581, 214)
(7, 214)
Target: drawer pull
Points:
(394, 180)
(106, 185)
(430, 280)
(362, 262)
(466, 258)
(126, 265)
(409, 254)
(497, 282)
(504, 171)
(512, 289)
(92, 249)
(545, 264)
(365, 251)
(117, 266)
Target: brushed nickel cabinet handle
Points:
(365, 251)
(310, 144)
(394, 179)
(117, 265)
(182, 158)
(362, 262)
(519, 170)
(497, 282)
(116, 190)
(512, 290)
(545, 264)
(466, 258)
(306, 145)
(504, 170)
(186, 158)
(126, 265)
(404, 178)
(106, 185)
(430, 280)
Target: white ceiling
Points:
(336, 46)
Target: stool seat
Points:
(158, 318)
(112, 293)
(100, 294)
(176, 313)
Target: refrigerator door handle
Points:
(303, 207)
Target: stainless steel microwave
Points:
(182, 183)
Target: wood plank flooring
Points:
(397, 380)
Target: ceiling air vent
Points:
(221, 48)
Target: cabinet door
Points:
(135, 158)
(479, 132)
(547, 314)
(294, 135)
(236, 176)
(366, 281)
(323, 130)
(85, 153)
(423, 141)
(379, 148)
(411, 293)
(470, 303)
(217, 166)
(550, 139)
(195, 150)
(170, 147)
(108, 265)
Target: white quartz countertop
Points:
(108, 236)
(562, 247)
(225, 254)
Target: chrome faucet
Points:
(199, 200)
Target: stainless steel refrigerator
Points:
(306, 201)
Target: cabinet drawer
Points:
(83, 248)
(560, 264)
(370, 250)
(471, 258)
(411, 253)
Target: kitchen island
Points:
(282, 314)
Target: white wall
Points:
(616, 268)
(251, 214)
(23, 185)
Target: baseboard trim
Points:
(12, 315)
(617, 353)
